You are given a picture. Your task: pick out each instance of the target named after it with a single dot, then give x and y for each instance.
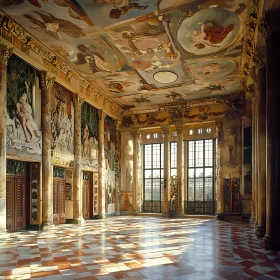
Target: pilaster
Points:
(117, 168)
(261, 154)
(101, 165)
(5, 53)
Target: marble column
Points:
(77, 178)
(272, 41)
(253, 202)
(46, 84)
(101, 165)
(135, 190)
(180, 193)
(261, 153)
(5, 53)
(117, 169)
(166, 131)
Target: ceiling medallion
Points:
(165, 77)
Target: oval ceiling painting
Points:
(208, 31)
(165, 77)
(213, 69)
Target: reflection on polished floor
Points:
(139, 248)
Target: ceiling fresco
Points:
(146, 53)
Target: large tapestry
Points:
(23, 107)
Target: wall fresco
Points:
(89, 135)
(23, 103)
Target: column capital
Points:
(165, 129)
(77, 100)
(46, 79)
(5, 52)
(101, 115)
(179, 127)
(135, 134)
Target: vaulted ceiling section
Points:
(142, 54)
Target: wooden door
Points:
(15, 207)
(62, 209)
(59, 201)
(87, 195)
(86, 200)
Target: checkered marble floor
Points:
(139, 248)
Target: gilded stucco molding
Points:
(248, 67)
(48, 57)
(5, 52)
(219, 131)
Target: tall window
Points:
(201, 177)
(153, 178)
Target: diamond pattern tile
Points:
(137, 248)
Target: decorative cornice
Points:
(165, 130)
(11, 27)
(46, 80)
(248, 72)
(5, 52)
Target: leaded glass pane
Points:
(191, 173)
(148, 189)
(173, 172)
(148, 173)
(208, 189)
(199, 153)
(156, 173)
(191, 190)
(156, 189)
(208, 172)
(191, 154)
(148, 156)
(199, 172)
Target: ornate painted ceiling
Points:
(145, 53)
